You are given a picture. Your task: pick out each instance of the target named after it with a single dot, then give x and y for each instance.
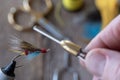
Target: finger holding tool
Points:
(36, 18)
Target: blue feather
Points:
(32, 55)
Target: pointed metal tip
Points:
(45, 34)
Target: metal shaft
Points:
(51, 28)
(45, 34)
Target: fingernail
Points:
(95, 62)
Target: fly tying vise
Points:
(7, 72)
(25, 48)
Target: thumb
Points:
(95, 62)
(103, 63)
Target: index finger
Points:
(108, 38)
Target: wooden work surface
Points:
(43, 66)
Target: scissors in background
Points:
(36, 18)
(67, 70)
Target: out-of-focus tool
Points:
(25, 48)
(72, 5)
(37, 18)
(69, 46)
(68, 70)
(7, 73)
(57, 13)
(109, 9)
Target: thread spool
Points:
(109, 9)
(72, 5)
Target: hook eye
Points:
(27, 4)
(16, 57)
(15, 15)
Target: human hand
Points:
(103, 58)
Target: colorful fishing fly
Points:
(25, 48)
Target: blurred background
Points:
(79, 23)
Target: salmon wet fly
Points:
(25, 48)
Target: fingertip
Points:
(108, 37)
(96, 78)
(95, 62)
(82, 63)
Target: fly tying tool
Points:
(69, 46)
